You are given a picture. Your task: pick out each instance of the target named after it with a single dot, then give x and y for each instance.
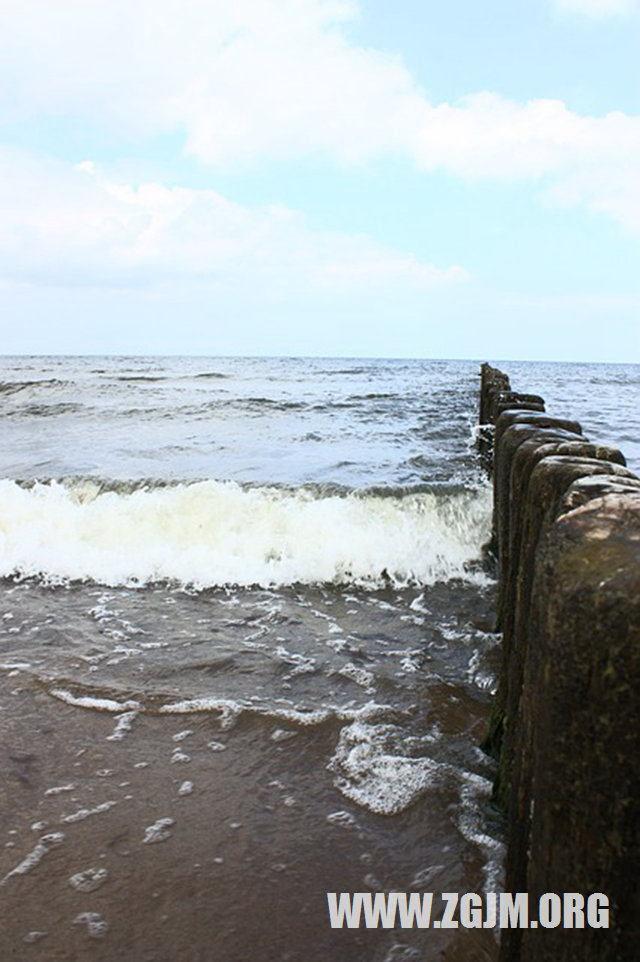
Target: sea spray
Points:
(212, 533)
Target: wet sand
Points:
(107, 852)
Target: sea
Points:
(245, 614)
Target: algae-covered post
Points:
(566, 721)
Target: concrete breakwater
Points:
(566, 719)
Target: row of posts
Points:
(565, 726)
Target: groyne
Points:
(566, 721)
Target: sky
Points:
(383, 178)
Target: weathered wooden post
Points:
(566, 724)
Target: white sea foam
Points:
(231, 710)
(180, 736)
(124, 726)
(282, 735)
(35, 856)
(301, 664)
(345, 819)
(89, 880)
(371, 771)
(475, 792)
(90, 701)
(360, 676)
(213, 533)
(83, 813)
(97, 928)
(158, 832)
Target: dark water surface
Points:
(245, 650)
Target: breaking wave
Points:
(210, 533)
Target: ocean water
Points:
(251, 592)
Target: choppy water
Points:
(280, 558)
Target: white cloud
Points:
(597, 9)
(588, 161)
(243, 79)
(613, 191)
(73, 226)
(488, 136)
(250, 81)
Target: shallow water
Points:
(245, 650)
